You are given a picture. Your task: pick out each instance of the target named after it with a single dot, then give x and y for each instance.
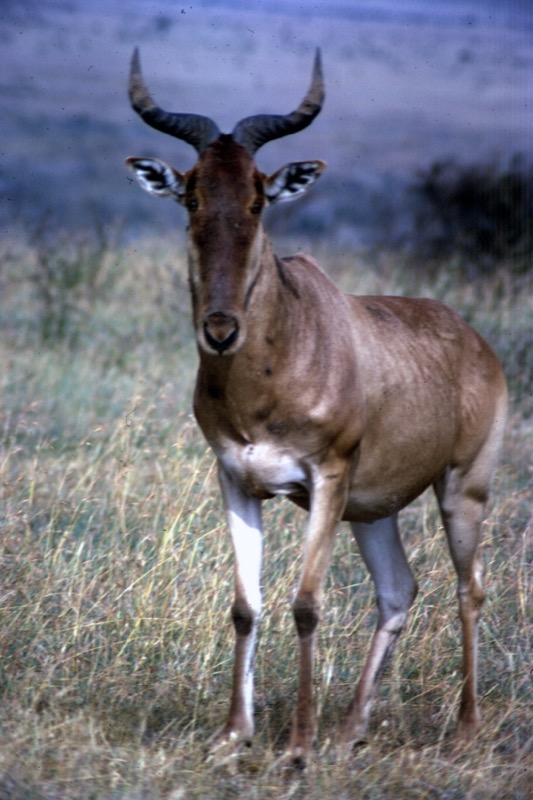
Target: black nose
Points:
(220, 331)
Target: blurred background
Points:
(426, 127)
(115, 574)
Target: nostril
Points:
(220, 326)
(221, 330)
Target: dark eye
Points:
(257, 207)
(192, 205)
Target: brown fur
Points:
(350, 406)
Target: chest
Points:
(263, 469)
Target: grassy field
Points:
(116, 573)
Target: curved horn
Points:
(194, 129)
(253, 132)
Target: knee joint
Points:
(393, 608)
(243, 618)
(305, 611)
(471, 597)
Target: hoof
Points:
(226, 746)
(296, 758)
(351, 738)
(467, 729)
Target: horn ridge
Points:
(255, 131)
(195, 129)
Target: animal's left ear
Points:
(292, 180)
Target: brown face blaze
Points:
(224, 196)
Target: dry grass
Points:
(117, 577)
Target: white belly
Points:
(264, 468)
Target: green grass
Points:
(116, 571)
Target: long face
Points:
(224, 196)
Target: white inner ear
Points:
(276, 183)
(292, 180)
(157, 178)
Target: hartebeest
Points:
(349, 406)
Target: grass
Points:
(116, 571)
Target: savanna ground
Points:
(116, 571)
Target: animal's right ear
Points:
(158, 178)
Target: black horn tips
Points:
(139, 95)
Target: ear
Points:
(158, 178)
(292, 180)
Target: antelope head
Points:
(224, 194)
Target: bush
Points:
(71, 271)
(481, 213)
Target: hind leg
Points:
(462, 499)
(462, 493)
(384, 556)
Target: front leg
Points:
(244, 518)
(328, 498)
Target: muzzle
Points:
(220, 331)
